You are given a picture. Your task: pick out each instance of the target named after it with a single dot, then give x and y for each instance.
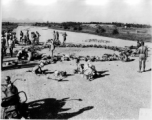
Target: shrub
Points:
(80, 28)
(75, 28)
(115, 31)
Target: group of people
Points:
(55, 41)
(86, 69)
(56, 36)
(8, 40)
(26, 39)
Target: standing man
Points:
(11, 45)
(38, 36)
(54, 36)
(143, 54)
(51, 46)
(21, 36)
(27, 35)
(57, 36)
(33, 38)
(64, 37)
(138, 44)
(3, 42)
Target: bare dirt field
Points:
(118, 93)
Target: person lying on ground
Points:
(59, 75)
(38, 69)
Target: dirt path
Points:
(118, 93)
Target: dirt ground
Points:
(118, 93)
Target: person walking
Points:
(64, 37)
(143, 54)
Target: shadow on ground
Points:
(50, 108)
(28, 65)
(130, 60)
(101, 74)
(148, 70)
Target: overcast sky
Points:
(126, 11)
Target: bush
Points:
(65, 27)
(100, 30)
(75, 28)
(115, 31)
(80, 28)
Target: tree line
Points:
(73, 24)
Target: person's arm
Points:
(146, 52)
(4, 86)
(40, 69)
(138, 51)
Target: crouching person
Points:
(89, 70)
(24, 54)
(38, 69)
(21, 54)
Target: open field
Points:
(132, 33)
(118, 93)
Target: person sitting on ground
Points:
(9, 90)
(28, 54)
(38, 69)
(89, 70)
(22, 54)
(143, 54)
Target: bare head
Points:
(41, 64)
(8, 79)
(86, 59)
(142, 43)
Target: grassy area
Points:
(132, 34)
(9, 27)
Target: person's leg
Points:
(5, 49)
(140, 65)
(12, 51)
(144, 65)
(52, 53)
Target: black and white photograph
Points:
(76, 59)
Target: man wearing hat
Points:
(9, 90)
